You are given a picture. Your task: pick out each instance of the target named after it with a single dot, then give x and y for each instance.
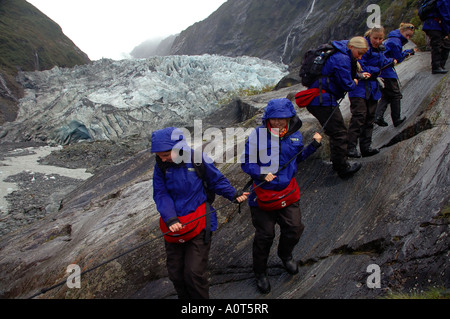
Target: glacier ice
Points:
(114, 99)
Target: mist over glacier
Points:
(114, 99)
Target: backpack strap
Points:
(208, 224)
(200, 169)
(320, 91)
(201, 173)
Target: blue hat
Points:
(279, 109)
(166, 139)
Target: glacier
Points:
(115, 99)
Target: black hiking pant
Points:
(390, 94)
(187, 267)
(361, 123)
(440, 48)
(336, 131)
(291, 229)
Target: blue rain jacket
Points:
(373, 62)
(280, 150)
(337, 77)
(394, 49)
(180, 191)
(439, 19)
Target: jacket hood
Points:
(341, 46)
(397, 34)
(167, 139)
(279, 109)
(283, 109)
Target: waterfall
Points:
(286, 45)
(291, 39)
(310, 11)
(36, 56)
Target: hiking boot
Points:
(291, 266)
(399, 122)
(370, 152)
(439, 71)
(350, 170)
(353, 152)
(262, 282)
(381, 122)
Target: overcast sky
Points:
(112, 28)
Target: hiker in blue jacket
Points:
(437, 28)
(180, 195)
(339, 75)
(364, 98)
(280, 139)
(391, 93)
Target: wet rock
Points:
(393, 214)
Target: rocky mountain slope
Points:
(281, 30)
(394, 213)
(29, 41)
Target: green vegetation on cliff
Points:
(29, 41)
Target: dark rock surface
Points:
(281, 30)
(394, 213)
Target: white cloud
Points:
(110, 28)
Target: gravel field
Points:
(34, 177)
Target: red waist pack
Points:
(305, 97)
(190, 230)
(273, 200)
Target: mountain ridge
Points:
(282, 30)
(29, 41)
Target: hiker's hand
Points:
(356, 81)
(242, 198)
(317, 137)
(176, 227)
(366, 75)
(270, 177)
